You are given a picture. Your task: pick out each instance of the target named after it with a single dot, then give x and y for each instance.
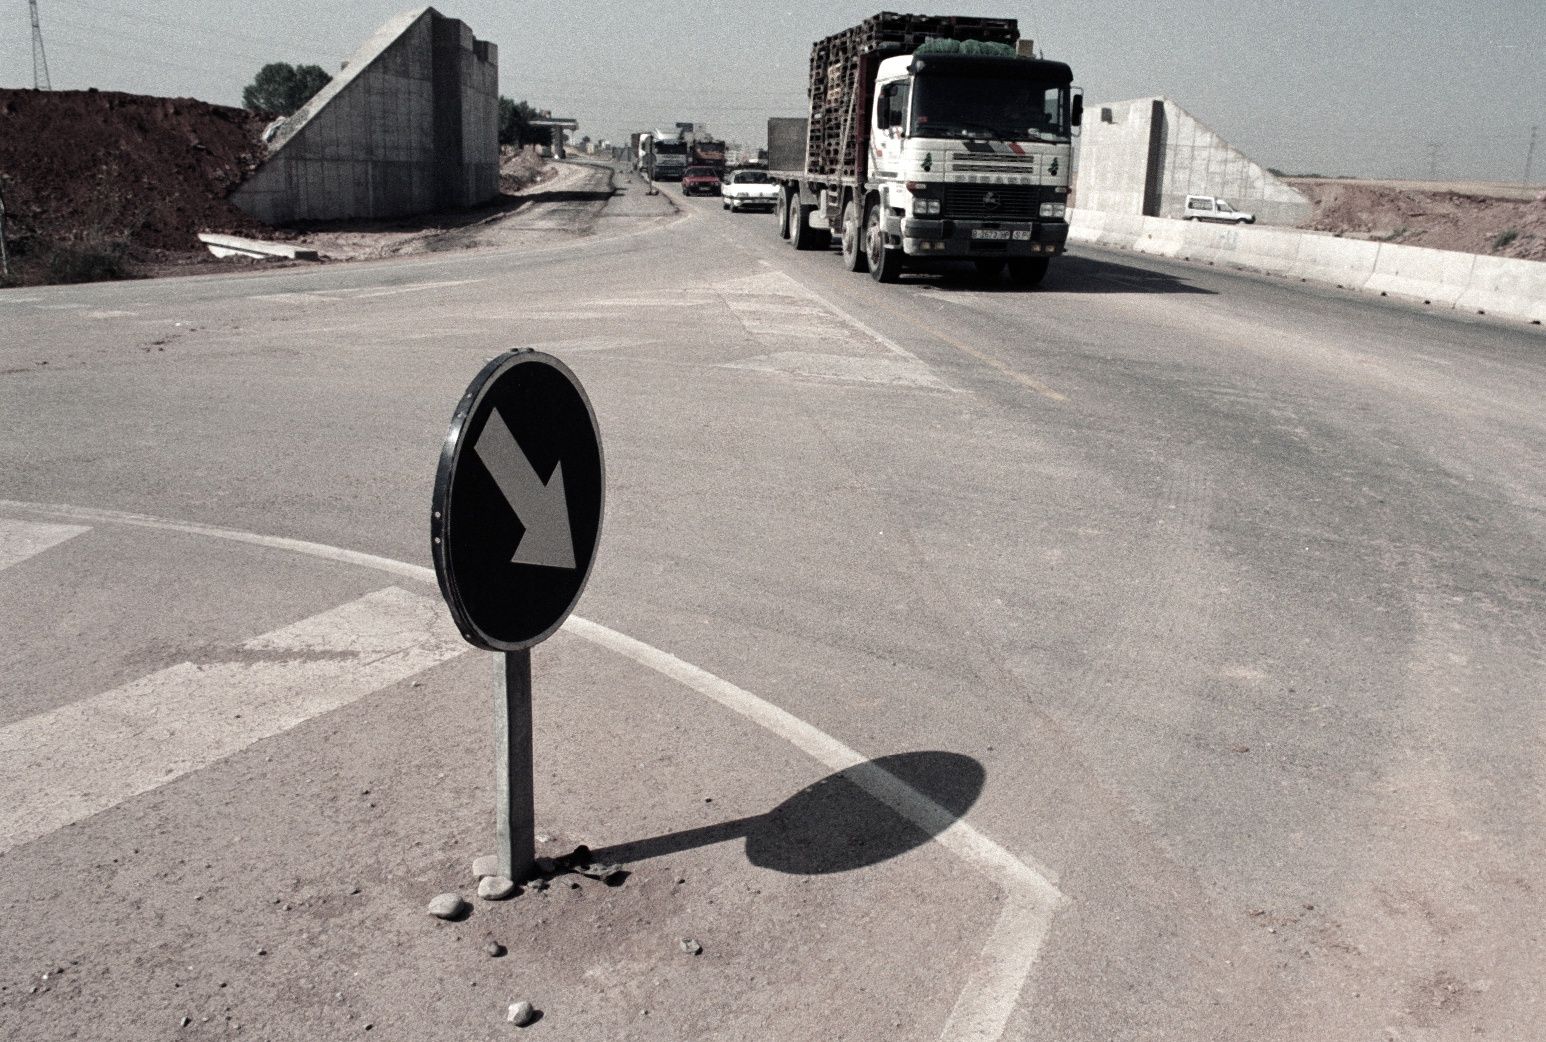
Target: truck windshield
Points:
(1003, 107)
(670, 148)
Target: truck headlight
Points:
(1053, 210)
(925, 207)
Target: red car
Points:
(700, 180)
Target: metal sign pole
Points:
(516, 844)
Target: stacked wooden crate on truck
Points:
(834, 72)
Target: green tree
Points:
(283, 88)
(515, 124)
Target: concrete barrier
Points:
(1432, 276)
(1088, 226)
(1347, 263)
(1162, 238)
(1508, 287)
(1120, 229)
(1500, 286)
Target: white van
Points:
(1212, 208)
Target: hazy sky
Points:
(1379, 88)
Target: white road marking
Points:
(414, 287)
(80, 759)
(20, 540)
(331, 553)
(339, 294)
(1003, 968)
(895, 372)
(982, 1010)
(868, 330)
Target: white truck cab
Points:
(1212, 208)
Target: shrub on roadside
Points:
(90, 260)
(1504, 237)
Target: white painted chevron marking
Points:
(20, 540)
(82, 758)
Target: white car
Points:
(1212, 208)
(748, 190)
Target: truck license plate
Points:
(1023, 236)
(990, 233)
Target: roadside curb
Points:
(1497, 286)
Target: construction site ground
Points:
(1468, 216)
(102, 185)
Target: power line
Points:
(39, 57)
(202, 28)
(137, 38)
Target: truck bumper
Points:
(959, 238)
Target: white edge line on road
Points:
(982, 1010)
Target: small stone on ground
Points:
(447, 906)
(521, 1013)
(495, 888)
(691, 947)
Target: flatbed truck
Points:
(933, 137)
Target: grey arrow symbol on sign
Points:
(542, 507)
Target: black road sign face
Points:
(518, 502)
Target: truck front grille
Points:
(992, 202)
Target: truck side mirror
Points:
(1077, 116)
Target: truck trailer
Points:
(931, 137)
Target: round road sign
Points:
(518, 501)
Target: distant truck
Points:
(931, 137)
(662, 157)
(708, 152)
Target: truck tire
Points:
(854, 257)
(885, 262)
(782, 211)
(1028, 271)
(801, 234)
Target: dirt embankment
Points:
(1440, 217)
(98, 182)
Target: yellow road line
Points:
(987, 359)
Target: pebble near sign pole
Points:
(514, 527)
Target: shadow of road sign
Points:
(833, 825)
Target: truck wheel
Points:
(885, 262)
(1029, 271)
(801, 234)
(782, 211)
(854, 256)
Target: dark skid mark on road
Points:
(832, 825)
(575, 196)
(1068, 274)
(252, 656)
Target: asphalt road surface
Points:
(1155, 654)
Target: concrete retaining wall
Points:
(410, 125)
(1147, 155)
(1441, 278)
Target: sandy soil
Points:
(524, 177)
(1504, 222)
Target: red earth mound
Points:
(118, 178)
(1438, 218)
